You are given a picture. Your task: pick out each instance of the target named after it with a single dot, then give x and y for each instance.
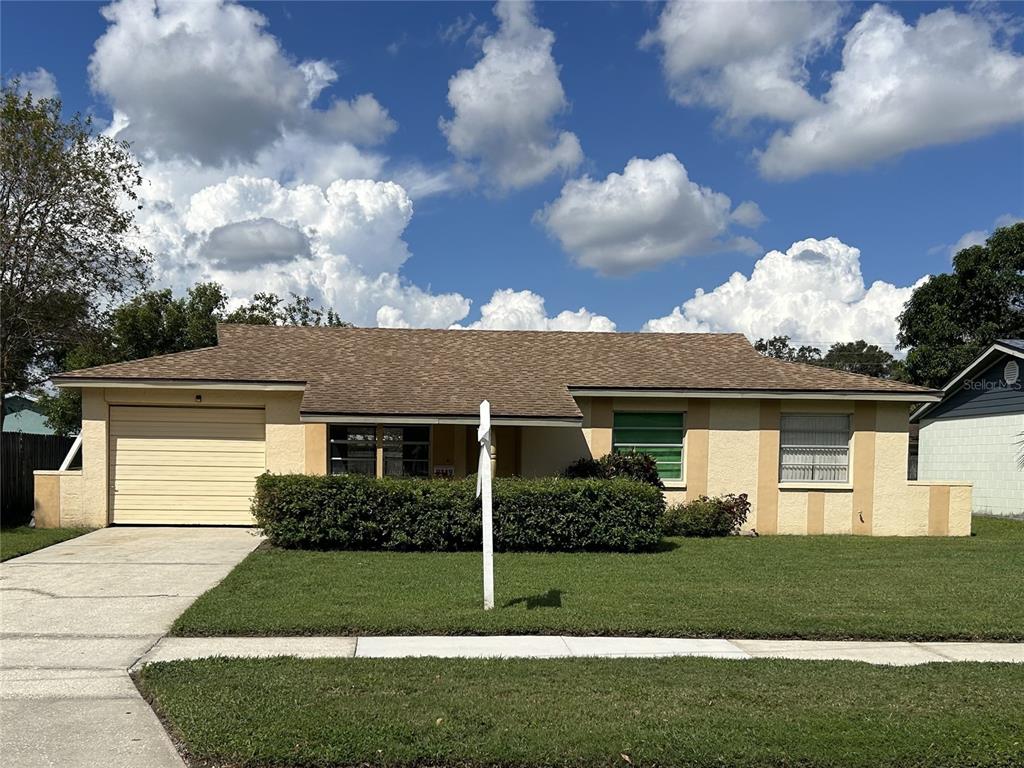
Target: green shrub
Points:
(547, 515)
(634, 466)
(706, 517)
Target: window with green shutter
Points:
(659, 434)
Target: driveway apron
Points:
(74, 617)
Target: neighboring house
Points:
(180, 438)
(976, 432)
(23, 414)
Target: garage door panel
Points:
(207, 517)
(185, 465)
(190, 414)
(186, 431)
(164, 487)
(192, 472)
(200, 445)
(179, 504)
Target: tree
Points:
(780, 348)
(954, 317)
(67, 208)
(851, 356)
(267, 309)
(157, 323)
(859, 357)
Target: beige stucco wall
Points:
(732, 446)
(57, 499)
(46, 498)
(547, 451)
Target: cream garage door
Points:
(185, 465)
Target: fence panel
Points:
(20, 455)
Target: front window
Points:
(353, 450)
(814, 448)
(406, 451)
(659, 434)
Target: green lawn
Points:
(22, 540)
(808, 587)
(681, 712)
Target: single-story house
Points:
(22, 413)
(976, 431)
(180, 438)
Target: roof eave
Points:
(763, 394)
(311, 417)
(157, 383)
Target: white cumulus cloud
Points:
(39, 82)
(207, 82)
(813, 292)
(649, 214)
(746, 59)
(505, 106)
(510, 310)
(903, 87)
(360, 218)
(341, 245)
(948, 77)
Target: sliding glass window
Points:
(407, 451)
(353, 449)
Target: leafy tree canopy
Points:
(67, 248)
(861, 357)
(852, 356)
(780, 348)
(955, 316)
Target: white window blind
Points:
(815, 448)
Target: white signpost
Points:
(483, 489)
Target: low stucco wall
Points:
(57, 500)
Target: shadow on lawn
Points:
(550, 599)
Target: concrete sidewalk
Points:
(555, 646)
(75, 617)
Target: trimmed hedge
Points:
(707, 517)
(633, 466)
(546, 515)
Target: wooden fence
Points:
(20, 455)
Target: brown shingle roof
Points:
(526, 374)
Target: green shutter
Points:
(658, 434)
(625, 420)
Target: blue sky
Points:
(467, 233)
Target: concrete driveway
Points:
(74, 617)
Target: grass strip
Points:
(15, 542)
(814, 587)
(585, 712)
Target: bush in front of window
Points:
(634, 466)
(354, 512)
(706, 517)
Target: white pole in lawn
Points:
(483, 488)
